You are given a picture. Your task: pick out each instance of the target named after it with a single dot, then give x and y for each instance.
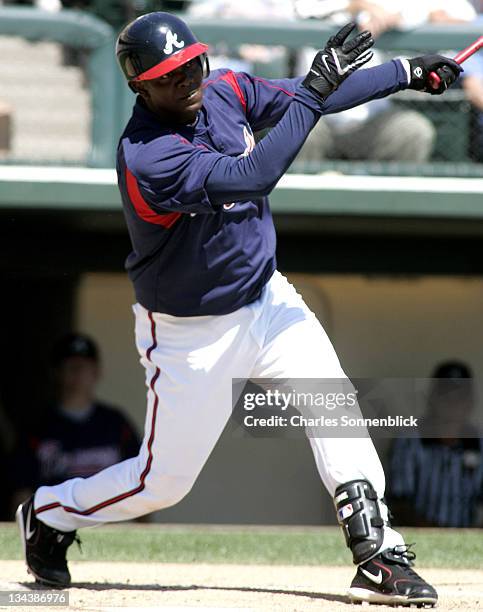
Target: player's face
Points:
(78, 376)
(176, 96)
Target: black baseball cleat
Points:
(388, 579)
(45, 548)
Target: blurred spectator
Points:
(446, 11)
(382, 15)
(49, 5)
(372, 131)
(437, 480)
(377, 130)
(246, 58)
(472, 83)
(79, 435)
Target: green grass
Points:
(455, 548)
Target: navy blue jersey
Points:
(195, 196)
(61, 448)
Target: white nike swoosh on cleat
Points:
(28, 532)
(377, 579)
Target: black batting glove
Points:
(447, 69)
(338, 60)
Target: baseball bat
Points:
(462, 56)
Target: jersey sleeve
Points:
(267, 100)
(168, 175)
(367, 84)
(258, 173)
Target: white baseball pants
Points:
(190, 363)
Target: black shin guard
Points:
(360, 518)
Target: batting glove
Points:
(447, 69)
(338, 60)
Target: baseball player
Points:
(211, 305)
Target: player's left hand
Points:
(447, 69)
(338, 60)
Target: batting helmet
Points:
(155, 44)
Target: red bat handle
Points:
(462, 56)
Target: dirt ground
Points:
(150, 586)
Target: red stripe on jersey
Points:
(230, 78)
(147, 468)
(142, 207)
(270, 85)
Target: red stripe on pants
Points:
(145, 472)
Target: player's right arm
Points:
(258, 173)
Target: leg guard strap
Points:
(359, 516)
